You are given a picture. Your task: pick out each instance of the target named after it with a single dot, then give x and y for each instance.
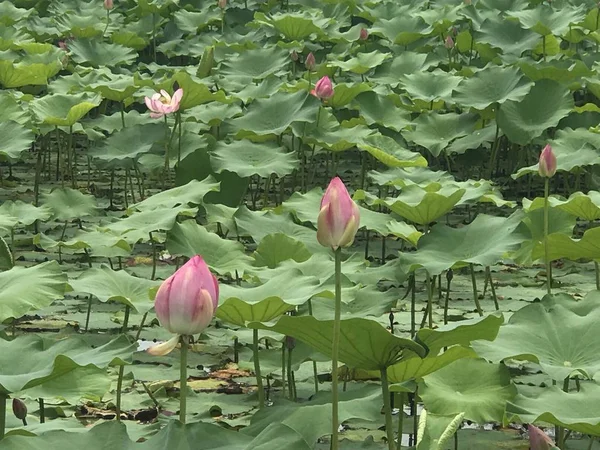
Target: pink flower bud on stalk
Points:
(310, 62)
(538, 440)
(108, 4)
(294, 55)
(339, 217)
(19, 409)
(186, 302)
(161, 104)
(364, 34)
(222, 4)
(449, 44)
(547, 163)
(63, 45)
(323, 89)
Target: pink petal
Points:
(165, 95)
(164, 348)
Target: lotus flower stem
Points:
(183, 379)
(89, 311)
(335, 350)
(123, 114)
(449, 276)
(592, 438)
(107, 22)
(283, 348)
(3, 400)
(414, 409)
(315, 372)
(387, 409)
(488, 272)
(400, 420)
(546, 246)
(154, 36)
(42, 410)
(413, 305)
(544, 47)
(119, 389)
(475, 294)
(429, 300)
(597, 267)
(259, 383)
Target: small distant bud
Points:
(310, 62)
(364, 34)
(547, 162)
(290, 343)
(294, 55)
(19, 408)
(222, 4)
(108, 4)
(449, 44)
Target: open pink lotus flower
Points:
(161, 104)
(339, 217)
(186, 302)
(323, 88)
(547, 163)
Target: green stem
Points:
(107, 22)
(475, 295)
(178, 121)
(429, 300)
(335, 350)
(591, 444)
(319, 115)
(89, 312)
(400, 420)
(126, 319)
(544, 47)
(123, 114)
(42, 410)
(183, 379)
(283, 348)
(387, 408)
(154, 36)
(3, 400)
(597, 267)
(141, 327)
(447, 300)
(546, 247)
(492, 288)
(315, 372)
(119, 390)
(560, 435)
(259, 383)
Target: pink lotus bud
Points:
(538, 440)
(161, 104)
(222, 4)
(19, 408)
(467, 2)
(294, 55)
(339, 217)
(364, 34)
(108, 4)
(323, 88)
(186, 301)
(310, 62)
(449, 44)
(547, 164)
(63, 45)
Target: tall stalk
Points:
(314, 363)
(387, 409)
(183, 379)
(259, 384)
(335, 350)
(546, 247)
(3, 400)
(475, 294)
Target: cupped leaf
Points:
(390, 152)
(556, 336)
(364, 343)
(247, 158)
(31, 360)
(19, 74)
(381, 110)
(471, 386)
(543, 107)
(430, 86)
(276, 248)
(118, 286)
(257, 63)
(546, 20)
(95, 53)
(117, 147)
(28, 289)
(16, 139)
(435, 430)
(294, 26)
(224, 256)
(190, 193)
(68, 204)
(64, 110)
(362, 62)
(241, 305)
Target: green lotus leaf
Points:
(402, 29)
(542, 108)
(294, 26)
(95, 53)
(29, 289)
(10, 14)
(381, 110)
(364, 343)
(195, 92)
(344, 93)
(17, 139)
(406, 63)
(214, 114)
(276, 248)
(117, 147)
(241, 305)
(404, 231)
(573, 149)
(266, 88)
(583, 206)
(256, 64)
(64, 110)
(226, 257)
(389, 152)
(471, 386)
(117, 286)
(555, 335)
(116, 87)
(32, 360)
(507, 35)
(430, 86)
(7, 260)
(331, 135)
(68, 204)
(98, 242)
(14, 75)
(436, 131)
(276, 113)
(546, 20)
(574, 410)
(129, 39)
(193, 22)
(492, 85)
(478, 138)
(247, 158)
(362, 62)
(564, 72)
(11, 109)
(190, 193)
(561, 245)
(423, 207)
(444, 247)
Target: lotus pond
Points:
(138, 134)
